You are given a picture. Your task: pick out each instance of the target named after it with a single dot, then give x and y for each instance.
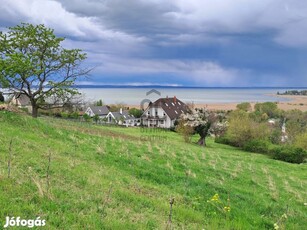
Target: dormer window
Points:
(166, 104)
(176, 112)
(179, 103)
(173, 104)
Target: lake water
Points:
(134, 95)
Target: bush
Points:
(301, 141)
(242, 129)
(245, 106)
(289, 154)
(223, 140)
(257, 146)
(74, 115)
(64, 115)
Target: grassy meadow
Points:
(123, 178)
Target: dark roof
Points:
(125, 114)
(100, 110)
(172, 106)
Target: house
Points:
(163, 112)
(101, 111)
(21, 100)
(122, 117)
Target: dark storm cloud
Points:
(196, 42)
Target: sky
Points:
(220, 43)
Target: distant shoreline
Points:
(294, 102)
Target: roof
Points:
(100, 110)
(172, 106)
(125, 114)
(22, 98)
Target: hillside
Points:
(123, 178)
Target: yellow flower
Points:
(215, 197)
(227, 209)
(276, 227)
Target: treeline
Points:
(269, 130)
(293, 92)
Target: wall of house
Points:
(89, 112)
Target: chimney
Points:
(121, 110)
(175, 99)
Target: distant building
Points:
(163, 112)
(20, 100)
(122, 117)
(101, 111)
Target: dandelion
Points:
(215, 198)
(276, 227)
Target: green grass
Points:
(115, 178)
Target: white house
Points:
(122, 117)
(101, 111)
(20, 100)
(163, 112)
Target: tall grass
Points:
(87, 159)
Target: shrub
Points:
(245, 106)
(289, 154)
(257, 146)
(301, 141)
(86, 117)
(241, 129)
(64, 115)
(275, 136)
(223, 140)
(185, 130)
(74, 115)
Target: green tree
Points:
(202, 121)
(33, 62)
(301, 140)
(136, 112)
(185, 130)
(96, 118)
(99, 103)
(242, 128)
(270, 108)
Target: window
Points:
(166, 104)
(176, 112)
(173, 104)
(179, 103)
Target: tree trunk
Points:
(34, 110)
(202, 141)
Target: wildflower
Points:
(284, 216)
(227, 209)
(215, 197)
(276, 227)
